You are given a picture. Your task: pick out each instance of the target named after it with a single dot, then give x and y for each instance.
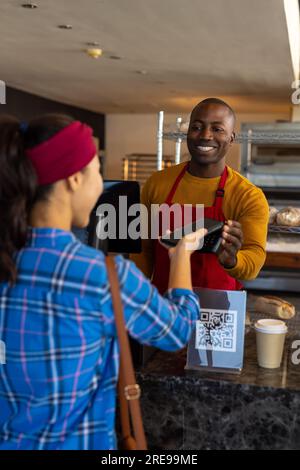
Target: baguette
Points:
(274, 306)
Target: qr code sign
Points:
(216, 330)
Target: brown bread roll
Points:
(274, 306)
(290, 216)
(272, 215)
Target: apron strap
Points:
(175, 185)
(220, 191)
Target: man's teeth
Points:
(204, 149)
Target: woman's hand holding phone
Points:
(180, 259)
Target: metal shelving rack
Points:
(138, 167)
(177, 137)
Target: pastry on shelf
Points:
(272, 215)
(290, 217)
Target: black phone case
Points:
(212, 239)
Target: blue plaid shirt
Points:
(58, 385)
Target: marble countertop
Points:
(254, 409)
(170, 367)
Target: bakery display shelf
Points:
(283, 229)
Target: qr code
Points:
(216, 330)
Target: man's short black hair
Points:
(216, 101)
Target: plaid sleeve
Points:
(162, 321)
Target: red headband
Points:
(67, 152)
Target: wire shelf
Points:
(283, 229)
(254, 137)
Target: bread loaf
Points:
(272, 215)
(290, 216)
(274, 306)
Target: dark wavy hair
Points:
(19, 189)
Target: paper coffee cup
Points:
(270, 336)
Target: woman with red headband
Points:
(58, 379)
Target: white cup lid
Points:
(268, 325)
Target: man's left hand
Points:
(232, 242)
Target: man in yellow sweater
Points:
(226, 196)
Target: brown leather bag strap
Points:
(124, 409)
(129, 390)
(127, 442)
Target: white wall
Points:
(136, 133)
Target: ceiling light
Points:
(94, 52)
(141, 72)
(29, 5)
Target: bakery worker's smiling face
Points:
(211, 133)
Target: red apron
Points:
(206, 269)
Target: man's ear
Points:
(74, 181)
(232, 138)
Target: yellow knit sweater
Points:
(243, 202)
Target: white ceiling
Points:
(190, 48)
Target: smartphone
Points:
(212, 239)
